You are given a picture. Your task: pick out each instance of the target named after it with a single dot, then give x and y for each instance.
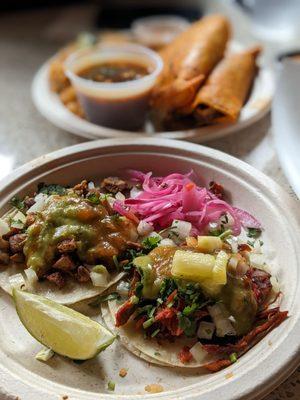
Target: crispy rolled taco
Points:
(188, 60)
(64, 243)
(222, 97)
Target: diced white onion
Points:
(4, 227)
(155, 234)
(17, 281)
(134, 192)
(198, 353)
(206, 330)
(110, 200)
(120, 196)
(144, 228)
(167, 242)
(181, 228)
(31, 276)
(40, 202)
(18, 220)
(213, 225)
(123, 288)
(99, 278)
(220, 316)
(233, 242)
(257, 260)
(91, 185)
(44, 355)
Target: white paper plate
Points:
(286, 121)
(50, 106)
(253, 376)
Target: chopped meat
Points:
(185, 356)
(260, 284)
(167, 317)
(13, 231)
(83, 274)
(4, 244)
(57, 278)
(113, 184)
(4, 258)
(29, 202)
(216, 189)
(216, 366)
(67, 246)
(82, 187)
(244, 247)
(30, 219)
(16, 242)
(17, 258)
(124, 312)
(274, 318)
(134, 245)
(64, 263)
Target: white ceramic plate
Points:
(50, 106)
(253, 376)
(286, 121)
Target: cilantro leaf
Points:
(188, 325)
(93, 198)
(51, 189)
(18, 203)
(253, 233)
(150, 242)
(105, 297)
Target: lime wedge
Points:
(65, 331)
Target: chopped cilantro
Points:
(151, 242)
(51, 189)
(157, 353)
(106, 297)
(189, 309)
(148, 323)
(155, 333)
(18, 203)
(253, 233)
(93, 198)
(111, 386)
(188, 325)
(233, 357)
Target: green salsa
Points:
(99, 236)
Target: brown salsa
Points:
(114, 72)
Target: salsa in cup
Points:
(113, 83)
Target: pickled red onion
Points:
(176, 197)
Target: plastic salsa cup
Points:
(118, 105)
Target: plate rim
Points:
(68, 121)
(290, 358)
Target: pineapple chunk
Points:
(209, 244)
(219, 275)
(192, 266)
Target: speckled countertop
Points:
(27, 39)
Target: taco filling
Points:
(191, 286)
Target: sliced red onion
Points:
(175, 197)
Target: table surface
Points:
(27, 39)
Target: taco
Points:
(202, 295)
(64, 243)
